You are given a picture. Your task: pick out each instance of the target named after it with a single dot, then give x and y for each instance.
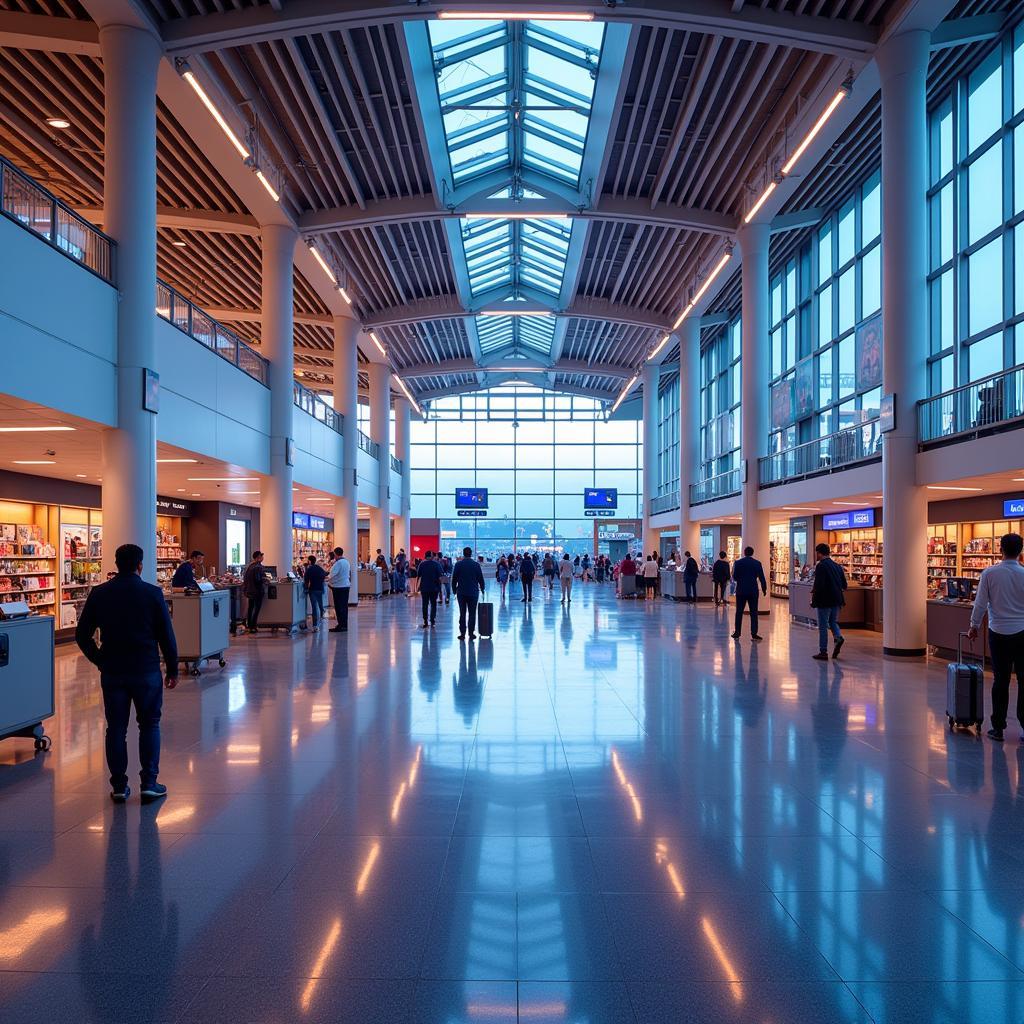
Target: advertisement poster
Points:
(782, 404)
(868, 354)
(804, 388)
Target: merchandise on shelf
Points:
(859, 552)
(310, 542)
(81, 568)
(942, 557)
(27, 567)
(169, 548)
(780, 568)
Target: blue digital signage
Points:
(471, 502)
(300, 520)
(1013, 509)
(601, 497)
(855, 520)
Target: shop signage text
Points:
(173, 507)
(858, 518)
(1013, 509)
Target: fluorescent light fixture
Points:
(82, 476)
(502, 215)
(657, 348)
(181, 490)
(407, 393)
(179, 462)
(58, 122)
(235, 493)
(319, 499)
(716, 270)
(938, 488)
(34, 430)
(843, 92)
(195, 494)
(380, 348)
(855, 504)
(797, 508)
(518, 369)
(35, 462)
(762, 199)
(625, 391)
(323, 264)
(216, 115)
(271, 191)
(178, 244)
(222, 479)
(344, 294)
(515, 312)
(515, 16)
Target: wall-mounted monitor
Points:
(601, 497)
(859, 518)
(471, 497)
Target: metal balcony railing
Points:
(191, 320)
(985, 407)
(722, 486)
(665, 502)
(42, 213)
(370, 447)
(396, 465)
(310, 402)
(846, 447)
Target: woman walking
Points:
(501, 573)
(565, 569)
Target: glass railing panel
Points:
(972, 408)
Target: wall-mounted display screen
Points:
(601, 497)
(1013, 509)
(855, 520)
(471, 497)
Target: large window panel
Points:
(615, 456)
(985, 287)
(985, 100)
(985, 357)
(985, 194)
(534, 481)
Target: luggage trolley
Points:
(202, 622)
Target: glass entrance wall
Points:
(535, 457)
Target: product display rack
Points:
(780, 569)
(979, 545)
(943, 560)
(311, 542)
(81, 568)
(169, 548)
(859, 552)
(27, 568)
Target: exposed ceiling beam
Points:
(207, 221)
(254, 316)
(54, 35)
(496, 380)
(798, 219)
(959, 31)
(306, 17)
(529, 367)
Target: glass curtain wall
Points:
(536, 453)
(720, 402)
(825, 303)
(976, 222)
(668, 437)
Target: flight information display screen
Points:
(601, 497)
(471, 497)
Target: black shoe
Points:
(838, 646)
(462, 636)
(154, 791)
(523, 601)
(431, 623)
(996, 734)
(472, 636)
(821, 656)
(120, 795)
(735, 636)
(757, 637)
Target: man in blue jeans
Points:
(135, 629)
(827, 596)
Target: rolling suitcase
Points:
(965, 691)
(485, 618)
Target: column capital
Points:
(903, 54)
(753, 237)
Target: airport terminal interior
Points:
(543, 314)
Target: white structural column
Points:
(380, 433)
(651, 375)
(753, 240)
(689, 430)
(279, 348)
(346, 398)
(130, 60)
(903, 65)
(403, 416)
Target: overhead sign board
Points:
(861, 518)
(1013, 509)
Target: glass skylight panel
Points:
(495, 332)
(537, 332)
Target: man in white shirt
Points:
(339, 579)
(1001, 594)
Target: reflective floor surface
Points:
(609, 813)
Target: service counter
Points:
(672, 585)
(370, 582)
(853, 613)
(26, 677)
(284, 606)
(202, 626)
(946, 621)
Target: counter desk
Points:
(946, 621)
(202, 626)
(672, 585)
(284, 606)
(853, 613)
(369, 582)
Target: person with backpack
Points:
(501, 574)
(827, 596)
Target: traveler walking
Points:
(549, 570)
(313, 582)
(827, 596)
(135, 629)
(585, 569)
(501, 574)
(565, 570)
(428, 572)
(446, 579)
(254, 586)
(650, 571)
(749, 575)
(468, 584)
(339, 579)
(720, 576)
(691, 571)
(526, 573)
(1001, 594)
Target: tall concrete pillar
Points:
(130, 60)
(651, 373)
(380, 432)
(689, 431)
(346, 397)
(753, 240)
(403, 416)
(903, 66)
(278, 347)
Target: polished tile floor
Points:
(608, 813)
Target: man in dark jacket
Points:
(185, 574)
(254, 586)
(135, 629)
(313, 581)
(720, 575)
(691, 570)
(429, 574)
(749, 575)
(468, 584)
(827, 596)
(526, 573)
